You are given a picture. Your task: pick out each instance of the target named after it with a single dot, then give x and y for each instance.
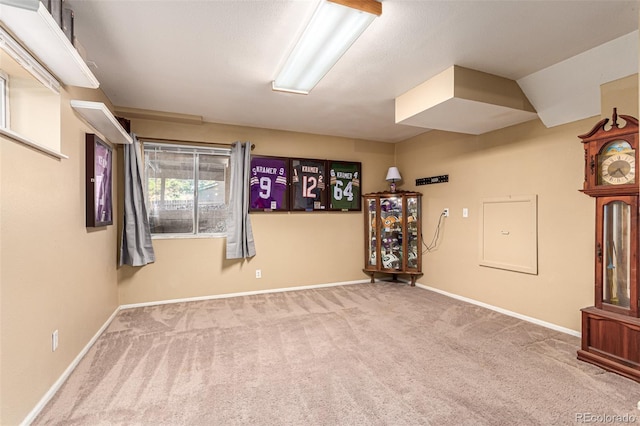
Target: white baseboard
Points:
(245, 293)
(56, 386)
(504, 311)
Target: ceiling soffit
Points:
(465, 101)
(570, 90)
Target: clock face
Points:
(618, 169)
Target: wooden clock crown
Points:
(598, 137)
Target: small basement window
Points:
(187, 188)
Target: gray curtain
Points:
(239, 234)
(135, 248)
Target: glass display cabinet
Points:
(393, 234)
(611, 328)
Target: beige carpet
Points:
(365, 354)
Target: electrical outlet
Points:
(465, 212)
(54, 340)
(258, 273)
(445, 212)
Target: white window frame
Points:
(5, 121)
(197, 150)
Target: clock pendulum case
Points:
(611, 328)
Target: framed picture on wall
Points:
(269, 183)
(308, 184)
(99, 163)
(344, 185)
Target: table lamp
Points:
(392, 176)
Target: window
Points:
(4, 100)
(187, 189)
(30, 100)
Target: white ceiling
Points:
(217, 58)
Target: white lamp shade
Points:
(393, 174)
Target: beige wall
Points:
(519, 160)
(55, 273)
(293, 249)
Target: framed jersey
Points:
(99, 158)
(308, 184)
(344, 185)
(268, 183)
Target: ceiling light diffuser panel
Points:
(332, 29)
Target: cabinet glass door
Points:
(616, 243)
(391, 216)
(372, 239)
(412, 232)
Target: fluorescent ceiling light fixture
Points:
(334, 27)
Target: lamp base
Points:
(392, 186)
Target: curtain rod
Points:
(186, 141)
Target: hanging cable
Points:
(434, 241)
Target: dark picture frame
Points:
(345, 183)
(308, 184)
(99, 182)
(269, 184)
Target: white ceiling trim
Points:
(570, 90)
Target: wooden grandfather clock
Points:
(611, 328)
